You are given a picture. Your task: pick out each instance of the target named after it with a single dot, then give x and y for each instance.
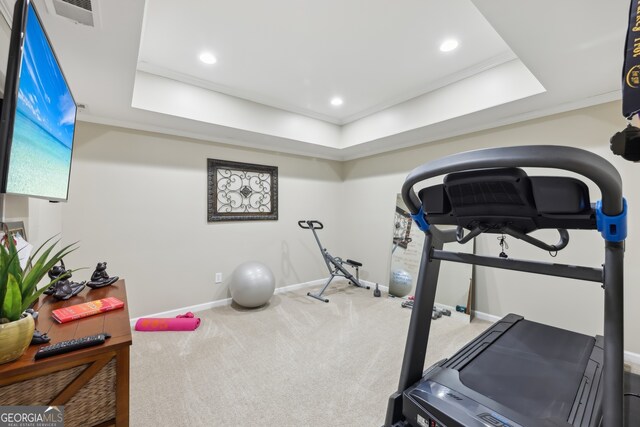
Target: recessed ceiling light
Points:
(448, 45)
(336, 102)
(208, 58)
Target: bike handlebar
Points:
(310, 224)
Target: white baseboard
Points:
(222, 302)
(632, 357)
(486, 316)
(372, 285)
(297, 286)
(628, 356)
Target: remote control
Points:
(71, 345)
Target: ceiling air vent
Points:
(80, 11)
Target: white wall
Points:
(5, 35)
(372, 183)
(138, 200)
(42, 219)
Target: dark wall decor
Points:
(241, 191)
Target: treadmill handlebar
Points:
(562, 243)
(583, 162)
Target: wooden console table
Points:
(92, 383)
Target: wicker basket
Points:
(93, 404)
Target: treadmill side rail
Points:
(447, 407)
(587, 408)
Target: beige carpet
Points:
(295, 362)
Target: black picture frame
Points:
(239, 191)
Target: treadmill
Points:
(518, 373)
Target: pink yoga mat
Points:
(167, 324)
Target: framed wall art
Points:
(241, 191)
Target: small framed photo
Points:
(16, 228)
(241, 191)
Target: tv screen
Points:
(38, 112)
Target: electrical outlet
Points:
(218, 277)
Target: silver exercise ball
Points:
(252, 284)
(400, 283)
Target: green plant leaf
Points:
(12, 305)
(3, 280)
(17, 286)
(30, 299)
(42, 266)
(33, 276)
(5, 261)
(14, 262)
(34, 254)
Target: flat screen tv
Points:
(38, 117)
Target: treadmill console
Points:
(427, 403)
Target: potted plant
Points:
(18, 291)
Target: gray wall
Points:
(372, 183)
(138, 201)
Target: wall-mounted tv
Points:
(38, 118)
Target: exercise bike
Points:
(335, 265)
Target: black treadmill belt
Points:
(631, 399)
(533, 368)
